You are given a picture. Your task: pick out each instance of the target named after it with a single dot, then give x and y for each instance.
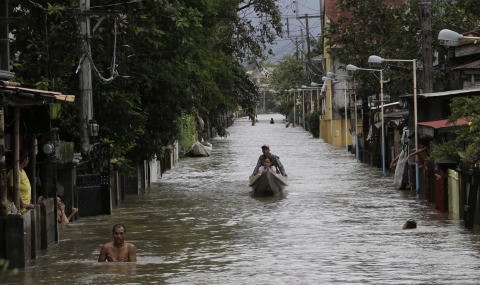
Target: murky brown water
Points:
(339, 222)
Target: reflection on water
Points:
(339, 222)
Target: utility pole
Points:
(427, 46)
(308, 39)
(303, 45)
(87, 127)
(85, 76)
(296, 48)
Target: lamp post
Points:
(316, 85)
(326, 79)
(332, 76)
(448, 37)
(378, 60)
(303, 107)
(293, 98)
(354, 68)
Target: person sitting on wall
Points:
(25, 187)
(271, 121)
(61, 216)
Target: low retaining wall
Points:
(23, 235)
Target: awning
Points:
(21, 96)
(428, 128)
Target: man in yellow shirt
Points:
(25, 187)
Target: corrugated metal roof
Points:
(471, 65)
(452, 93)
(440, 124)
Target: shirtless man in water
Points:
(118, 250)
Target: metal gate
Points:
(93, 182)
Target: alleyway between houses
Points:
(339, 222)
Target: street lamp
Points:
(303, 104)
(316, 85)
(448, 37)
(300, 90)
(293, 98)
(351, 67)
(332, 75)
(378, 60)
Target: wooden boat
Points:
(268, 183)
(201, 149)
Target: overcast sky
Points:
(286, 46)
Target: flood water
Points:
(339, 222)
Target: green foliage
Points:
(291, 118)
(286, 108)
(180, 58)
(4, 263)
(466, 144)
(313, 123)
(187, 139)
(373, 27)
(287, 75)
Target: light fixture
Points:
(448, 37)
(353, 68)
(375, 60)
(48, 148)
(331, 75)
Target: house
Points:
(25, 123)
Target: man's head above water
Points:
(410, 225)
(266, 149)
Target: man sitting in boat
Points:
(267, 166)
(273, 158)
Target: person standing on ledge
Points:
(118, 250)
(275, 160)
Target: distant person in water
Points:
(61, 216)
(271, 121)
(118, 250)
(273, 158)
(267, 166)
(410, 225)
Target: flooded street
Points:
(339, 222)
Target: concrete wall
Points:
(152, 164)
(21, 236)
(114, 187)
(135, 185)
(48, 222)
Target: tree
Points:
(287, 75)
(466, 144)
(179, 58)
(391, 30)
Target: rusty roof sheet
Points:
(471, 65)
(440, 124)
